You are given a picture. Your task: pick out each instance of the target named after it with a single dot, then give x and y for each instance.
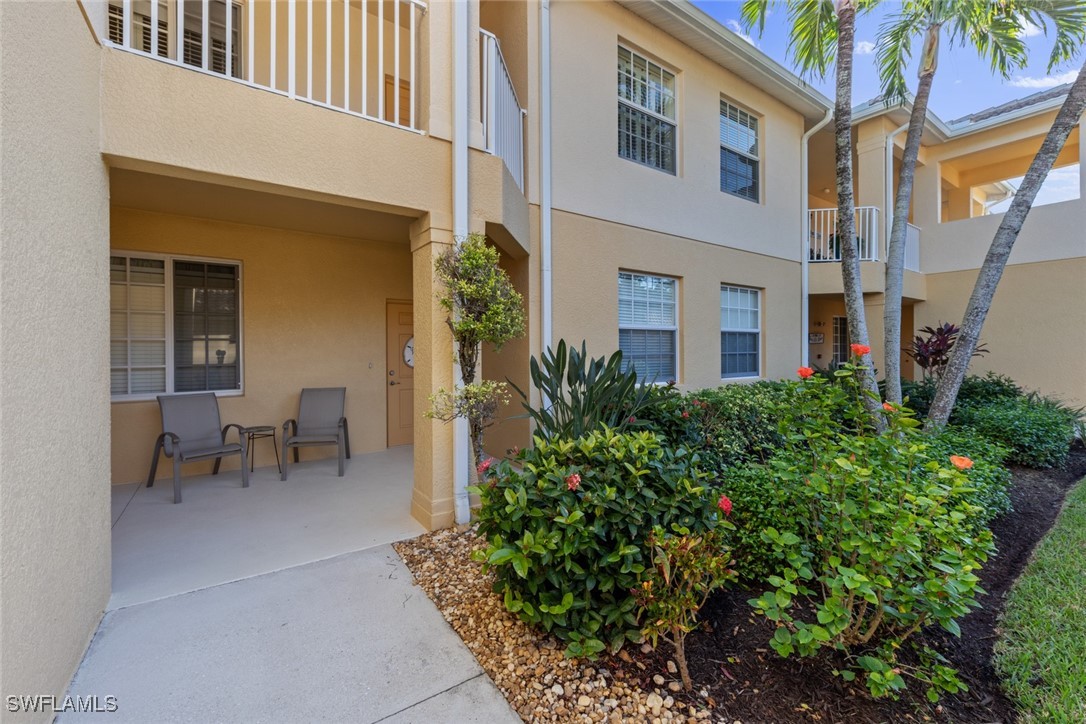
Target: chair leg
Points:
(285, 470)
(244, 468)
(176, 478)
(341, 445)
(295, 455)
(154, 463)
(347, 438)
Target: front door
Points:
(400, 377)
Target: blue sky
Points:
(963, 83)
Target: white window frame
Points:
(673, 328)
(169, 260)
(745, 330)
(839, 334)
(673, 121)
(725, 106)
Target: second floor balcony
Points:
(825, 239)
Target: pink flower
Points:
(725, 504)
(685, 414)
(482, 467)
(573, 481)
(804, 372)
(859, 350)
(632, 419)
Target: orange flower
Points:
(888, 407)
(961, 462)
(859, 350)
(804, 372)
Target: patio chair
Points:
(320, 422)
(190, 433)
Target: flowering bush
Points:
(568, 532)
(876, 531)
(685, 569)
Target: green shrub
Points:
(1037, 431)
(728, 425)
(879, 537)
(989, 480)
(580, 394)
(568, 533)
(975, 390)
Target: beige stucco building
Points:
(251, 202)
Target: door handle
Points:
(392, 383)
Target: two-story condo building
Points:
(248, 198)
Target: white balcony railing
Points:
(825, 242)
(354, 56)
(502, 115)
(912, 248)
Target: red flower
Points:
(573, 481)
(859, 350)
(961, 462)
(484, 466)
(725, 504)
(804, 372)
(632, 419)
(685, 414)
(888, 407)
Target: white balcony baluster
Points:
(502, 115)
(824, 242)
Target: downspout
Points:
(888, 204)
(546, 292)
(805, 245)
(461, 211)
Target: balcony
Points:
(912, 248)
(354, 56)
(824, 242)
(501, 113)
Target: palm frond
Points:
(813, 40)
(1069, 20)
(894, 50)
(753, 13)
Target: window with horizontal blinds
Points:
(740, 332)
(841, 351)
(193, 37)
(141, 28)
(648, 325)
(175, 325)
(739, 152)
(646, 111)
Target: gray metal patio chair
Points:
(320, 422)
(191, 432)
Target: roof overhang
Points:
(696, 29)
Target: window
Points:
(646, 112)
(192, 43)
(175, 325)
(141, 28)
(738, 152)
(841, 351)
(740, 332)
(648, 325)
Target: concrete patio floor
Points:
(222, 532)
(282, 602)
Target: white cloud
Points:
(1061, 184)
(1029, 30)
(865, 47)
(1050, 81)
(735, 27)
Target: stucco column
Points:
(926, 199)
(432, 497)
(871, 178)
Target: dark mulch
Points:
(747, 681)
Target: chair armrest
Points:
(175, 442)
(342, 422)
(241, 430)
(290, 427)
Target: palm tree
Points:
(946, 392)
(995, 31)
(822, 32)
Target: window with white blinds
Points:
(740, 332)
(192, 48)
(175, 325)
(646, 111)
(739, 158)
(841, 351)
(648, 321)
(141, 27)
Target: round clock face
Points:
(409, 353)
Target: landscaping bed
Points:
(737, 676)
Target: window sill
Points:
(749, 378)
(154, 396)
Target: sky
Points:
(963, 83)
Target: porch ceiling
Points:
(187, 197)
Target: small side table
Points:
(258, 432)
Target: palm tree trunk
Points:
(895, 246)
(946, 392)
(846, 203)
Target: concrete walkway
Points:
(347, 639)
